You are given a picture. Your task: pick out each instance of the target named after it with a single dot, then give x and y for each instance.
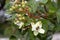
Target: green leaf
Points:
(47, 25)
(33, 4)
(57, 28)
(7, 4)
(13, 38)
(58, 3)
(31, 35)
(8, 31)
(26, 36)
(51, 7)
(58, 16)
(44, 1)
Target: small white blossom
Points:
(54, 0)
(37, 28)
(25, 1)
(20, 25)
(36, 0)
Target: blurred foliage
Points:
(46, 11)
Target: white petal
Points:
(36, 0)
(40, 26)
(20, 24)
(39, 23)
(33, 26)
(42, 31)
(35, 33)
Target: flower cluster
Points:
(18, 5)
(22, 9)
(18, 19)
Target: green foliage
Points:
(31, 35)
(34, 5)
(58, 20)
(47, 25)
(51, 7)
(46, 11)
(13, 38)
(44, 1)
(58, 16)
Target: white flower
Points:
(36, 0)
(20, 24)
(54, 0)
(37, 28)
(25, 1)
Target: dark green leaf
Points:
(31, 35)
(13, 38)
(58, 16)
(33, 4)
(47, 25)
(51, 7)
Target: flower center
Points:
(37, 28)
